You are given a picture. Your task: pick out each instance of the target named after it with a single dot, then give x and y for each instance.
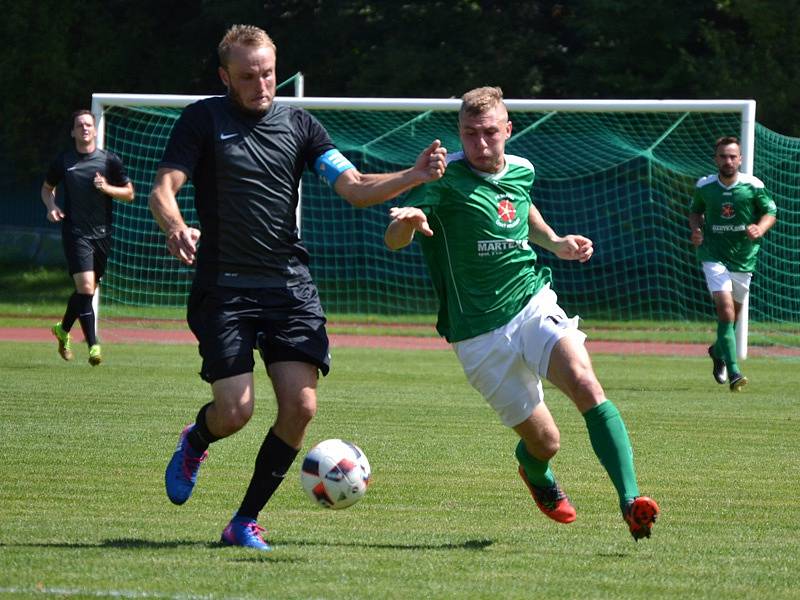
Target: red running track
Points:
(184, 336)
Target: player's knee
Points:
(231, 419)
(304, 412)
(291, 423)
(549, 449)
(547, 444)
(299, 413)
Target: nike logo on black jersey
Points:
(227, 136)
(72, 168)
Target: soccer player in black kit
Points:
(92, 177)
(252, 287)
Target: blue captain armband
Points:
(331, 164)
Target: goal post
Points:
(620, 171)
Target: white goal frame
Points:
(745, 108)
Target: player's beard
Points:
(236, 98)
(488, 164)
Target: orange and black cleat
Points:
(640, 514)
(551, 500)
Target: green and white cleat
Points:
(95, 357)
(64, 341)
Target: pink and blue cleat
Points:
(181, 474)
(245, 532)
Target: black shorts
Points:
(86, 254)
(284, 324)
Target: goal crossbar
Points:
(747, 108)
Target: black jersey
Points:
(246, 171)
(88, 210)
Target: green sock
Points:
(612, 446)
(538, 471)
(726, 346)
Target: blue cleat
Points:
(181, 474)
(244, 531)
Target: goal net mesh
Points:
(624, 179)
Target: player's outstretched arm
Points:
(368, 189)
(181, 239)
(574, 247)
(568, 247)
(405, 221)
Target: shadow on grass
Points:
(122, 544)
(466, 545)
(130, 543)
(621, 555)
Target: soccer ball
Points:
(335, 474)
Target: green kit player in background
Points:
(729, 215)
(497, 310)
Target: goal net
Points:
(620, 172)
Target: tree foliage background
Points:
(60, 52)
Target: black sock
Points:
(200, 437)
(73, 308)
(86, 318)
(273, 460)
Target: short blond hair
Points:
(245, 35)
(479, 100)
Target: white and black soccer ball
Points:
(335, 474)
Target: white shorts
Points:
(507, 365)
(720, 279)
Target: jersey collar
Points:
(735, 181)
(490, 176)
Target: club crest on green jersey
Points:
(727, 211)
(506, 213)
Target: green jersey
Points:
(728, 211)
(479, 258)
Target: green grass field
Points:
(83, 512)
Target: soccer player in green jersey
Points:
(729, 215)
(496, 308)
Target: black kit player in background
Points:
(92, 177)
(252, 286)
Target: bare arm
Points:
(696, 221)
(368, 189)
(757, 230)
(405, 221)
(48, 195)
(568, 247)
(118, 192)
(181, 239)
